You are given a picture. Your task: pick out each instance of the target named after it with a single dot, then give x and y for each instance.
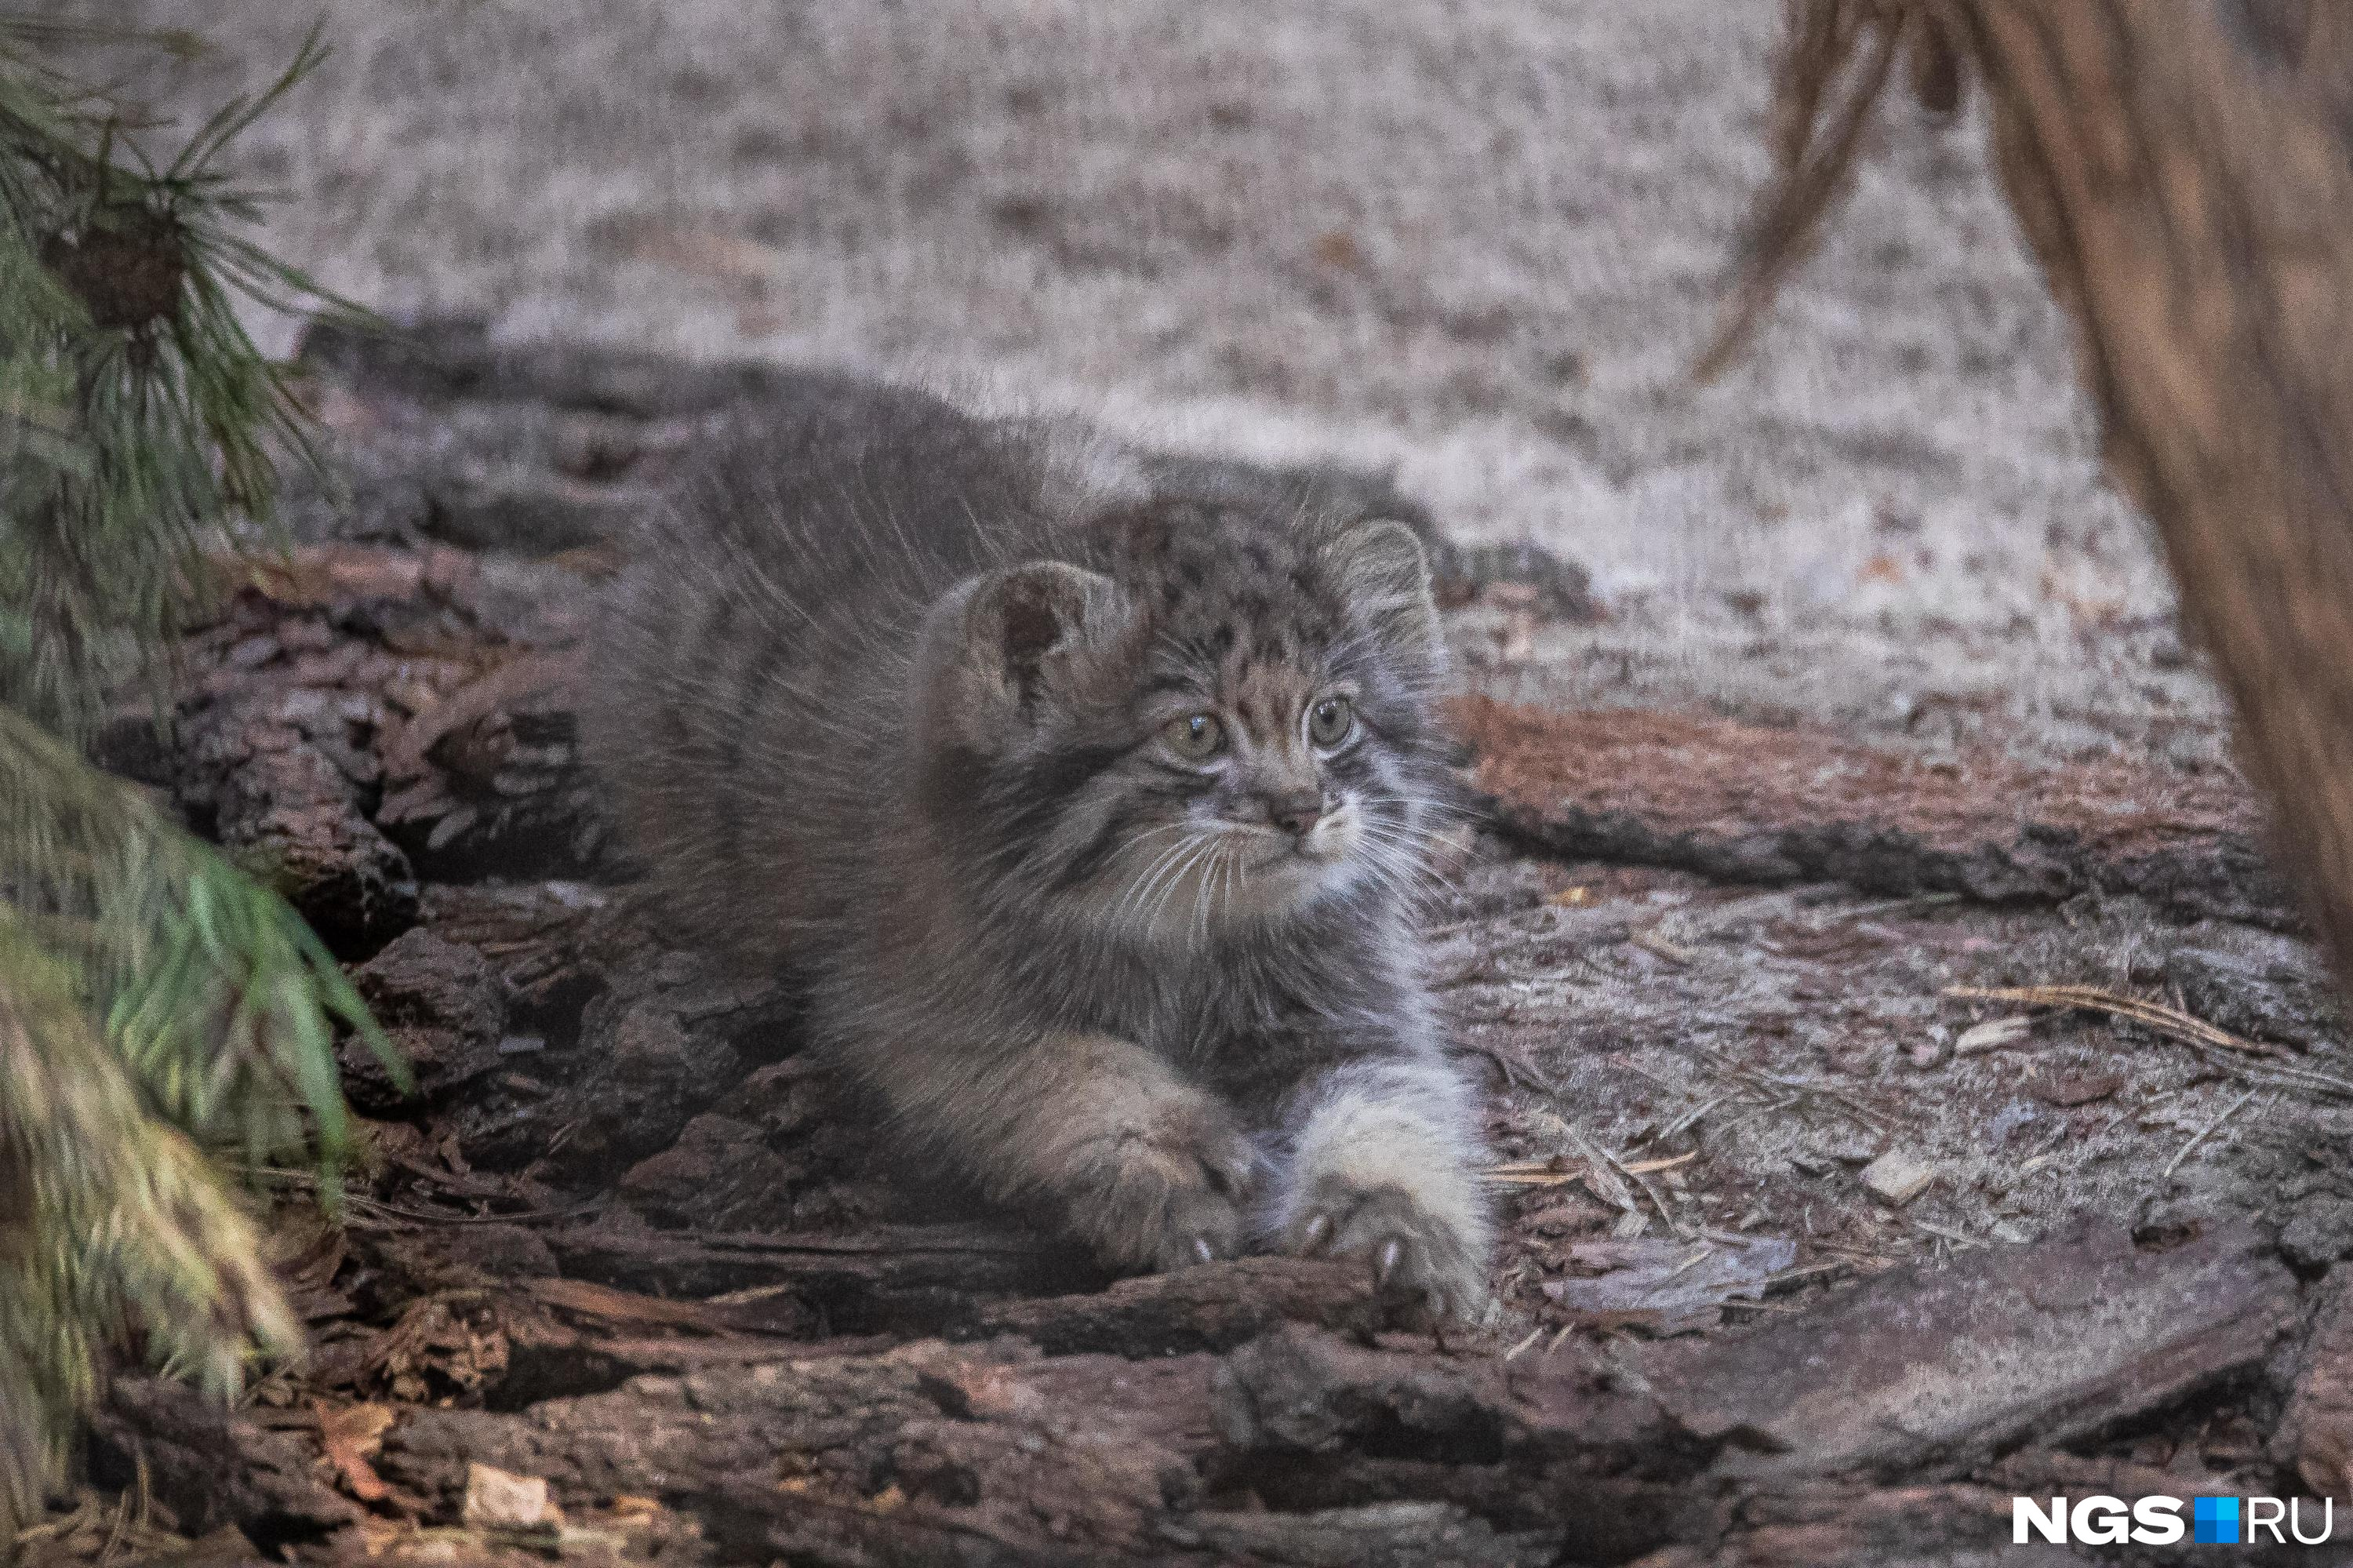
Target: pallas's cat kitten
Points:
(1089, 820)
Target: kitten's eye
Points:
(1195, 737)
(1331, 721)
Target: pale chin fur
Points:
(1222, 875)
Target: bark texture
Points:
(2185, 172)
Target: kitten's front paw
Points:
(1414, 1254)
(1168, 1194)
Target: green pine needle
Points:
(156, 1006)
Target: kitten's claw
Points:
(1411, 1253)
(1168, 1194)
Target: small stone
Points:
(497, 1500)
(1896, 1177)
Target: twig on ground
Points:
(2203, 1133)
(2225, 1049)
(1786, 1091)
(2284, 1076)
(1553, 1173)
(1642, 1183)
(1691, 1117)
(1660, 947)
(1891, 905)
(361, 1208)
(2156, 1016)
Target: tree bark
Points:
(2185, 172)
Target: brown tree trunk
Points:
(2184, 169)
(2186, 174)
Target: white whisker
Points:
(1132, 897)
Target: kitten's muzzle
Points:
(1296, 814)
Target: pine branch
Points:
(110, 1219)
(139, 422)
(155, 1005)
(214, 991)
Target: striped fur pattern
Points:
(1092, 820)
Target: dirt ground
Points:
(1825, 1233)
(1816, 1253)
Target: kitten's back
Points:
(746, 699)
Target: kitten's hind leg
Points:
(1384, 1168)
(1150, 1171)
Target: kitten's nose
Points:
(1296, 814)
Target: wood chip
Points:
(1674, 953)
(1939, 1366)
(1668, 1287)
(1993, 1034)
(1897, 1178)
(351, 1436)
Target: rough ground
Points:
(1808, 1262)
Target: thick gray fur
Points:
(888, 699)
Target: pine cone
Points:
(125, 266)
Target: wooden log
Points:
(1739, 803)
(1305, 1446)
(1923, 1372)
(2315, 1436)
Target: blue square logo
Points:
(2215, 1520)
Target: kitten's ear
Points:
(993, 643)
(1385, 573)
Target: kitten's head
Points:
(1216, 722)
